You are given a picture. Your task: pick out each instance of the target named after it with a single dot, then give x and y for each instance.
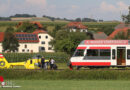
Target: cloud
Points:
(37, 7)
(3, 9)
(38, 3)
(120, 6)
(73, 9)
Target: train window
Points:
(128, 54)
(92, 52)
(105, 52)
(79, 52)
(98, 54)
(113, 54)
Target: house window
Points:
(39, 37)
(46, 37)
(25, 46)
(49, 48)
(42, 48)
(43, 42)
(23, 50)
(28, 50)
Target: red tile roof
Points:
(78, 25)
(36, 23)
(111, 36)
(1, 36)
(37, 31)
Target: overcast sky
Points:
(98, 9)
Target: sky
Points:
(71, 9)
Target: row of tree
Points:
(77, 19)
(23, 15)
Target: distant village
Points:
(40, 40)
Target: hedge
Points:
(19, 57)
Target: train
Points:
(101, 53)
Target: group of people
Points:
(45, 64)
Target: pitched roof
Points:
(23, 37)
(78, 25)
(100, 36)
(1, 36)
(37, 31)
(35, 23)
(113, 34)
(27, 37)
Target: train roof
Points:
(105, 42)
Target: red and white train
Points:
(101, 53)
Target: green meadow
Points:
(70, 85)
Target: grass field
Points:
(70, 85)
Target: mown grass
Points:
(70, 85)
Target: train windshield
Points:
(79, 52)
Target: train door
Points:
(121, 56)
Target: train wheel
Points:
(2, 63)
(78, 67)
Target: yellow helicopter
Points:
(29, 64)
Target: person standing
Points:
(52, 61)
(42, 62)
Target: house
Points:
(38, 41)
(76, 26)
(119, 28)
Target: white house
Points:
(76, 26)
(38, 41)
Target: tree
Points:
(57, 28)
(27, 27)
(88, 20)
(23, 15)
(67, 41)
(126, 18)
(10, 42)
(78, 20)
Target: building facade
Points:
(38, 41)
